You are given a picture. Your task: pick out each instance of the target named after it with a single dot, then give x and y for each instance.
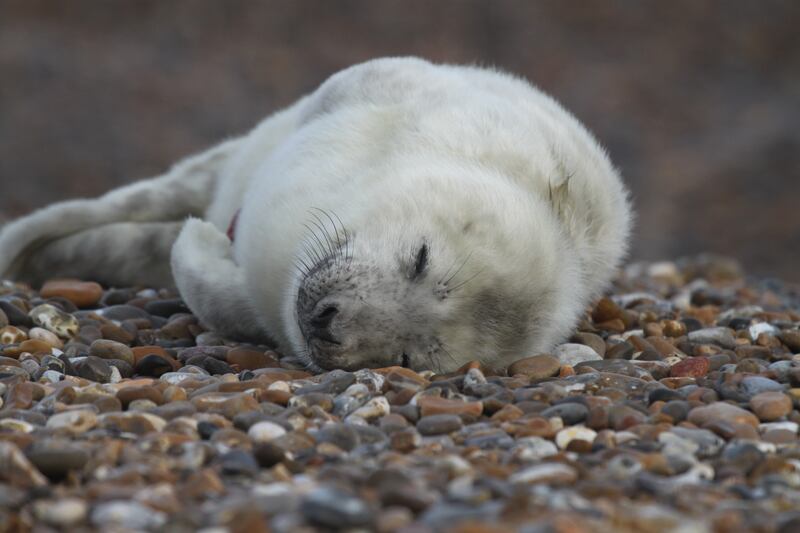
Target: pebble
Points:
(720, 336)
(432, 405)
(721, 411)
(329, 507)
(550, 473)
(247, 359)
(80, 293)
(571, 354)
(373, 409)
(439, 424)
(55, 320)
(650, 417)
(63, 513)
(265, 431)
(771, 406)
(17, 469)
(536, 367)
(127, 515)
(573, 433)
(692, 367)
(74, 422)
(107, 349)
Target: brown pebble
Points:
(605, 310)
(721, 411)
(432, 405)
(129, 394)
(592, 340)
(107, 349)
(249, 359)
(536, 367)
(770, 406)
(81, 293)
(116, 333)
(693, 367)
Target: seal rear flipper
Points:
(212, 284)
(124, 253)
(185, 190)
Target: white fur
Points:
(400, 150)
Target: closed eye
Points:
(421, 261)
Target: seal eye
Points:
(421, 261)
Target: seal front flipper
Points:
(211, 283)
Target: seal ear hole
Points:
(420, 262)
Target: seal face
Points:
(404, 213)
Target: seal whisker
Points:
(320, 248)
(311, 252)
(452, 289)
(448, 280)
(325, 233)
(447, 352)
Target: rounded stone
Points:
(94, 369)
(153, 365)
(130, 394)
(550, 473)
(107, 349)
(719, 335)
(570, 412)
(567, 435)
(724, 412)
(74, 422)
(433, 405)
(56, 458)
(571, 354)
(80, 293)
(54, 319)
(771, 406)
(127, 515)
(248, 359)
(43, 335)
(439, 424)
(265, 431)
(61, 513)
(692, 367)
(333, 508)
(536, 367)
(12, 335)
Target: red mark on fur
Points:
(232, 226)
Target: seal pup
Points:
(404, 213)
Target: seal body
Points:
(403, 213)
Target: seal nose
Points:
(320, 324)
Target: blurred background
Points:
(698, 102)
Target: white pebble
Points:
(572, 354)
(567, 435)
(375, 408)
(265, 431)
(41, 334)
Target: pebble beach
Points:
(672, 407)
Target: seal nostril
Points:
(321, 324)
(325, 317)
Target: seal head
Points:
(412, 284)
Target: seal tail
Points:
(122, 237)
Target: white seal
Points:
(403, 213)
